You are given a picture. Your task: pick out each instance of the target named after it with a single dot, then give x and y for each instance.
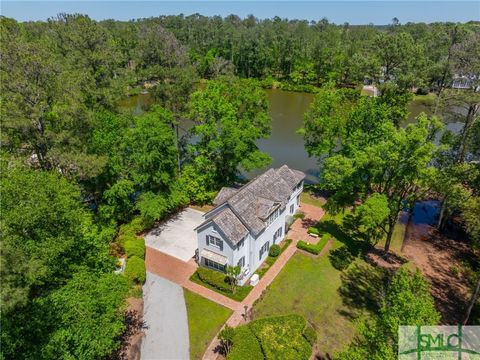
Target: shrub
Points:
(275, 250)
(245, 345)
(299, 215)
(313, 230)
(135, 248)
(132, 228)
(280, 337)
(124, 238)
(214, 278)
(135, 270)
(340, 258)
(310, 334)
(314, 248)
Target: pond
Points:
(285, 145)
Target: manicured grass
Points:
(205, 318)
(308, 198)
(240, 293)
(309, 287)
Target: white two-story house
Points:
(245, 222)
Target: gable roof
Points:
(248, 207)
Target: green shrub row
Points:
(135, 247)
(135, 270)
(314, 230)
(214, 278)
(314, 248)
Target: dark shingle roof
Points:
(249, 207)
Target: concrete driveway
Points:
(165, 315)
(177, 237)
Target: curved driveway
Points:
(165, 315)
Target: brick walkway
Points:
(297, 232)
(179, 272)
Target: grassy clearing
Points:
(310, 287)
(205, 318)
(311, 199)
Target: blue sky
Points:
(354, 12)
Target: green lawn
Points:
(309, 287)
(205, 318)
(308, 198)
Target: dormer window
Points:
(273, 216)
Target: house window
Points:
(240, 244)
(263, 250)
(273, 216)
(214, 241)
(212, 264)
(241, 262)
(298, 200)
(292, 208)
(277, 234)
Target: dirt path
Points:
(440, 260)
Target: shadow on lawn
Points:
(354, 245)
(363, 288)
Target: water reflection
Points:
(285, 145)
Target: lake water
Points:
(285, 145)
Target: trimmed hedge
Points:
(314, 248)
(310, 334)
(135, 270)
(214, 278)
(135, 247)
(274, 251)
(245, 345)
(314, 230)
(271, 338)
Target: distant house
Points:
(466, 82)
(245, 222)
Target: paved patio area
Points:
(177, 237)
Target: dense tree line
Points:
(74, 167)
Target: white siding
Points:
(251, 247)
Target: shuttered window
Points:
(263, 250)
(215, 242)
